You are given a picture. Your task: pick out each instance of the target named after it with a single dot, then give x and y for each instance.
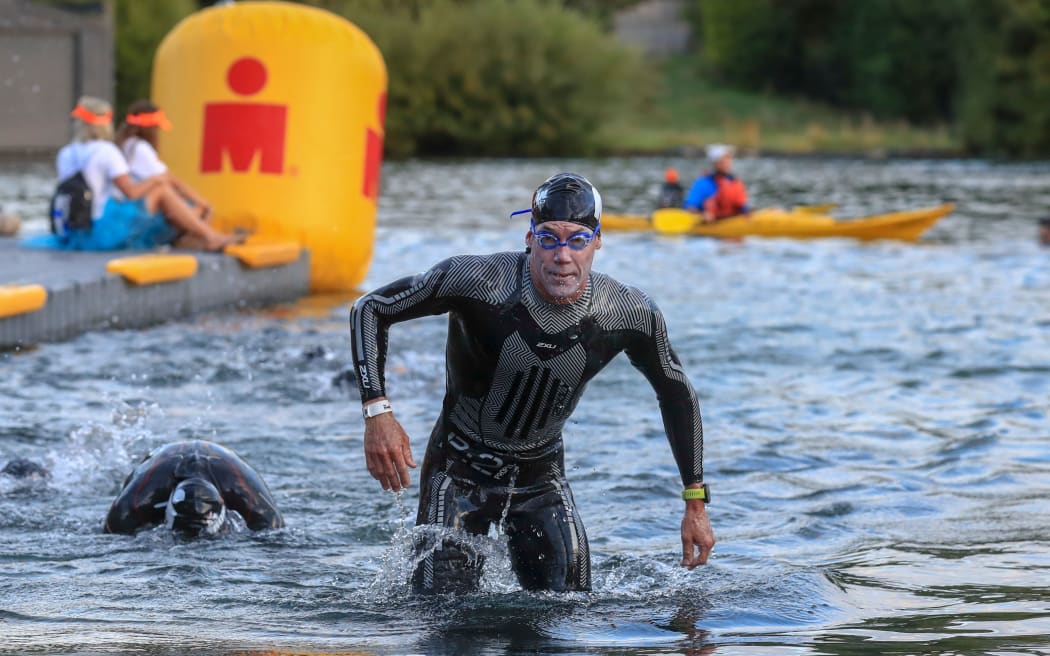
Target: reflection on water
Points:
(877, 441)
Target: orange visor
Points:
(149, 119)
(85, 115)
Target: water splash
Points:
(409, 546)
(97, 454)
(510, 495)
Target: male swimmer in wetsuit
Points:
(188, 486)
(527, 331)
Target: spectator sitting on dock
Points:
(124, 213)
(137, 137)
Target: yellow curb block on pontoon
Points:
(21, 299)
(153, 268)
(265, 254)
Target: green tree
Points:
(899, 58)
(1005, 94)
(893, 58)
(497, 77)
(745, 43)
(140, 27)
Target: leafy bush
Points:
(1004, 104)
(140, 27)
(497, 77)
(893, 58)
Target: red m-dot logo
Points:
(244, 130)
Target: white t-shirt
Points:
(100, 161)
(142, 159)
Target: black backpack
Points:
(71, 205)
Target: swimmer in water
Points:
(25, 469)
(191, 488)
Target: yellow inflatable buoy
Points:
(278, 113)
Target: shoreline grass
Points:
(689, 112)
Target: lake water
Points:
(877, 422)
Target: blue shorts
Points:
(123, 224)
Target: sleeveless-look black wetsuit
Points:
(516, 367)
(142, 500)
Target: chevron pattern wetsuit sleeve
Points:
(373, 314)
(652, 355)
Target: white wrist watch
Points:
(376, 408)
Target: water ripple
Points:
(875, 435)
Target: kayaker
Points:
(1044, 231)
(121, 212)
(137, 138)
(717, 194)
(672, 193)
(527, 331)
(195, 488)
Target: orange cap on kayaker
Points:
(671, 174)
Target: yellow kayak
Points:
(799, 223)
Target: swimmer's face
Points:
(561, 273)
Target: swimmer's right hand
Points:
(387, 452)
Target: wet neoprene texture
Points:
(517, 365)
(142, 500)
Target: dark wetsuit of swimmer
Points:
(141, 502)
(24, 468)
(516, 367)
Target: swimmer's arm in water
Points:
(652, 354)
(262, 514)
(387, 450)
(697, 536)
(388, 453)
(244, 490)
(140, 503)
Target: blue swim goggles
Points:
(548, 241)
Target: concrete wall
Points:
(49, 57)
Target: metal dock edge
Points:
(82, 296)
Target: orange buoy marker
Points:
(278, 112)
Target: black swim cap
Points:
(567, 197)
(195, 507)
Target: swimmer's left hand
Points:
(697, 536)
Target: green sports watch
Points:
(703, 493)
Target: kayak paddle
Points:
(673, 221)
